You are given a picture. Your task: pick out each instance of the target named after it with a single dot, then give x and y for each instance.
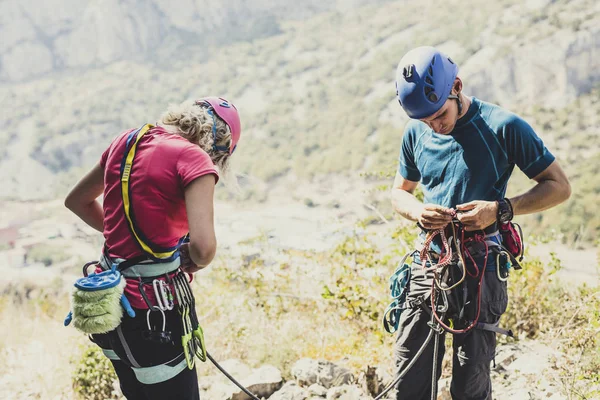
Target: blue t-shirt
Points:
(474, 161)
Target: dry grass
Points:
(268, 309)
(36, 350)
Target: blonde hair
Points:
(194, 122)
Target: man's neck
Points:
(466, 103)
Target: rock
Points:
(217, 390)
(374, 380)
(263, 382)
(317, 390)
(218, 386)
(290, 391)
(564, 57)
(308, 371)
(345, 392)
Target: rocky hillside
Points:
(316, 91)
(56, 35)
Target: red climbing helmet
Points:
(228, 113)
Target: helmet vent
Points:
(430, 70)
(430, 94)
(408, 71)
(429, 80)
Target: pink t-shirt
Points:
(163, 166)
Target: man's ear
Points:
(457, 86)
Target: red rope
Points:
(445, 260)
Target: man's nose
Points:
(436, 126)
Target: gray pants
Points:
(472, 351)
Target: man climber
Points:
(462, 150)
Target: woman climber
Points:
(157, 183)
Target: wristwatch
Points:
(505, 211)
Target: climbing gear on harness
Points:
(398, 283)
(502, 266)
(512, 238)
(98, 301)
(424, 80)
(159, 336)
(445, 267)
(163, 294)
(477, 274)
(186, 325)
(192, 337)
(229, 114)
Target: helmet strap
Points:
(216, 148)
(460, 106)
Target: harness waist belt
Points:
(142, 270)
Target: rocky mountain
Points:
(56, 35)
(314, 82)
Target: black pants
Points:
(182, 387)
(139, 351)
(472, 351)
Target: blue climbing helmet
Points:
(424, 81)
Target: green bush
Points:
(94, 377)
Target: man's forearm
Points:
(544, 195)
(406, 204)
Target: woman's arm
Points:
(82, 198)
(200, 213)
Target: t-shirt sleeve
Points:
(193, 162)
(113, 143)
(406, 165)
(526, 149)
(104, 157)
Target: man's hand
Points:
(434, 217)
(187, 265)
(477, 215)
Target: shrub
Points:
(94, 377)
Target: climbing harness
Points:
(454, 253)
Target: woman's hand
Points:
(187, 265)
